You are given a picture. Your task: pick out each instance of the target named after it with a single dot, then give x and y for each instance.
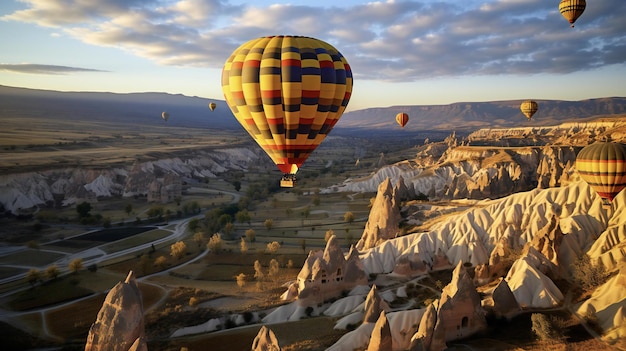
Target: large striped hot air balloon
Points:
(528, 108)
(287, 92)
(572, 9)
(402, 119)
(603, 166)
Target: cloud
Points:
(382, 40)
(43, 69)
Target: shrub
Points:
(178, 249)
(215, 243)
(193, 301)
(76, 265)
(546, 328)
(273, 247)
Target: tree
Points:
(155, 211)
(273, 247)
(193, 224)
(229, 228)
(241, 280)
(215, 243)
(348, 217)
(128, 209)
(329, 233)
(303, 245)
(76, 265)
(237, 185)
(33, 276)
(198, 237)
(178, 249)
(244, 247)
(52, 272)
(258, 271)
(243, 216)
(274, 269)
(547, 328)
(160, 262)
(83, 209)
(251, 235)
(269, 223)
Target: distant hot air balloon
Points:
(572, 9)
(287, 92)
(165, 115)
(212, 106)
(528, 108)
(402, 119)
(603, 166)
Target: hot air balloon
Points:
(603, 166)
(212, 106)
(402, 119)
(572, 9)
(528, 108)
(165, 116)
(287, 92)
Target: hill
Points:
(186, 111)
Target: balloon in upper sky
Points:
(572, 9)
(528, 108)
(212, 106)
(402, 119)
(603, 166)
(287, 92)
(165, 115)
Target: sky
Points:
(421, 52)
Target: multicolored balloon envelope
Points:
(529, 108)
(603, 166)
(287, 92)
(402, 119)
(572, 9)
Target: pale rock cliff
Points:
(265, 341)
(326, 274)
(381, 335)
(458, 313)
(119, 325)
(68, 186)
(384, 218)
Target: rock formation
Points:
(381, 335)
(504, 303)
(68, 186)
(374, 305)
(265, 341)
(384, 218)
(119, 325)
(458, 314)
(326, 274)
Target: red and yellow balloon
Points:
(402, 119)
(603, 166)
(288, 92)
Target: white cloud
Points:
(387, 40)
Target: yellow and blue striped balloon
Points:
(603, 166)
(288, 92)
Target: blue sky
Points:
(418, 52)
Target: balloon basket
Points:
(288, 181)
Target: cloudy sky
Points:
(401, 52)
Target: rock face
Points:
(504, 303)
(326, 274)
(265, 341)
(384, 218)
(458, 313)
(374, 305)
(381, 335)
(160, 180)
(119, 325)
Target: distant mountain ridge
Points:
(194, 112)
(469, 116)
